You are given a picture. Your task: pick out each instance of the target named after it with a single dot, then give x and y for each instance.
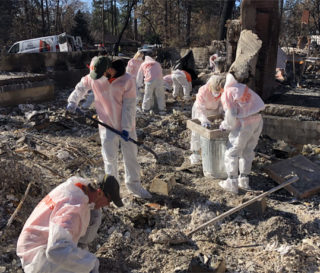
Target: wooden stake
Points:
(20, 205)
(231, 211)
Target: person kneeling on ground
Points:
(115, 102)
(207, 103)
(241, 106)
(68, 215)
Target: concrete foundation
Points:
(14, 94)
(291, 130)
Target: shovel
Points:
(181, 237)
(140, 144)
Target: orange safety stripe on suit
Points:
(188, 76)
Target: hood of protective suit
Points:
(230, 80)
(148, 59)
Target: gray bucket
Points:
(212, 152)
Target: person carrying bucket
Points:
(241, 106)
(208, 103)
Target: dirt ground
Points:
(46, 147)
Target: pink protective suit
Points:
(151, 72)
(167, 82)
(49, 238)
(133, 67)
(242, 106)
(109, 102)
(115, 105)
(206, 104)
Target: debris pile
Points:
(50, 146)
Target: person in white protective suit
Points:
(281, 65)
(167, 82)
(208, 103)
(133, 68)
(68, 215)
(241, 106)
(150, 72)
(115, 102)
(181, 80)
(211, 62)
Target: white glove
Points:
(96, 267)
(206, 124)
(223, 126)
(71, 107)
(94, 224)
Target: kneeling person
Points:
(49, 239)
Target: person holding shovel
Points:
(70, 214)
(241, 106)
(207, 103)
(115, 102)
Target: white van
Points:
(41, 44)
(54, 43)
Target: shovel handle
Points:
(117, 132)
(245, 204)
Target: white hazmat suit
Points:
(181, 79)
(207, 104)
(242, 106)
(167, 82)
(150, 72)
(116, 106)
(49, 238)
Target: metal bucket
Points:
(212, 152)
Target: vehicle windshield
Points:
(14, 48)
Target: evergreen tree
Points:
(81, 27)
(7, 11)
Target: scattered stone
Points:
(162, 184)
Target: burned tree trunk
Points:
(233, 34)
(130, 7)
(263, 18)
(225, 15)
(42, 19)
(188, 25)
(244, 66)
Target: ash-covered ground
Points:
(41, 145)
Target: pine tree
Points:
(81, 27)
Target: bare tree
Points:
(129, 10)
(225, 15)
(188, 25)
(42, 18)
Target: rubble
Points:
(284, 239)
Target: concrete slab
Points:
(291, 130)
(308, 172)
(292, 111)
